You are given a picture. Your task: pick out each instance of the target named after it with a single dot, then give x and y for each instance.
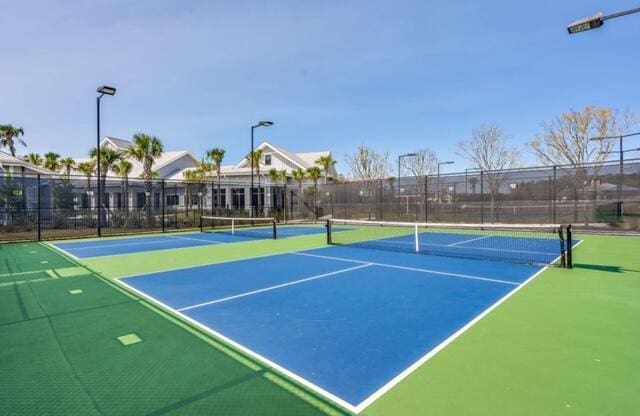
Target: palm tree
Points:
(146, 149)
(123, 169)
(108, 159)
(87, 169)
(34, 159)
(283, 178)
(9, 135)
(52, 161)
(299, 176)
(474, 182)
(314, 173)
(217, 155)
(255, 162)
(326, 163)
(67, 164)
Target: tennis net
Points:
(548, 245)
(255, 228)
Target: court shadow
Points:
(603, 268)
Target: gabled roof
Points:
(121, 144)
(301, 160)
(7, 159)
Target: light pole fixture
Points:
(104, 90)
(449, 162)
(264, 123)
(596, 21)
(620, 209)
(399, 164)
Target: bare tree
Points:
(565, 140)
(489, 150)
(423, 163)
(369, 167)
(367, 164)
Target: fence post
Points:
(212, 199)
(163, 201)
(426, 198)
(555, 185)
(481, 197)
(39, 212)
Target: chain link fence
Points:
(41, 207)
(604, 195)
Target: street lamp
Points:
(596, 21)
(104, 90)
(620, 209)
(260, 124)
(399, 159)
(450, 162)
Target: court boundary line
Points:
(160, 239)
(413, 269)
(270, 288)
(358, 408)
(60, 250)
(263, 360)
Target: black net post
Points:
(163, 201)
(328, 232)
(39, 208)
(274, 229)
(569, 264)
(201, 224)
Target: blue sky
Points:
(395, 76)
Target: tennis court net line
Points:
(537, 244)
(252, 228)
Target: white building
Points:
(235, 180)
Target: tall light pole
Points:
(620, 208)
(450, 162)
(104, 90)
(399, 163)
(596, 21)
(260, 124)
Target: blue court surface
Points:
(345, 321)
(115, 246)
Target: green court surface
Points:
(567, 344)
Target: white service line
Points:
(197, 239)
(163, 240)
(463, 248)
(468, 241)
(413, 269)
(267, 289)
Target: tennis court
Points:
(129, 245)
(346, 321)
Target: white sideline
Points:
(267, 289)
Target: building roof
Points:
(301, 160)
(7, 160)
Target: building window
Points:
(172, 200)
(267, 159)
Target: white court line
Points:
(413, 269)
(160, 240)
(468, 241)
(264, 360)
(267, 289)
(467, 248)
(397, 379)
(197, 239)
(62, 251)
